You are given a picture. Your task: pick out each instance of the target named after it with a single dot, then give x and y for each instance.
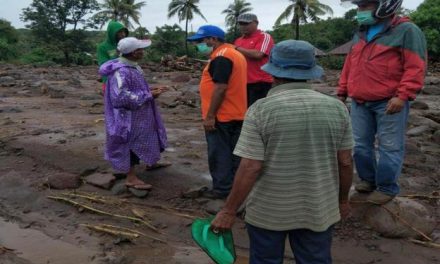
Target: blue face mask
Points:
(366, 18)
(203, 48)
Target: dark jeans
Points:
(222, 163)
(267, 247)
(257, 91)
(369, 121)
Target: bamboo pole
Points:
(134, 219)
(426, 244)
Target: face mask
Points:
(365, 18)
(203, 48)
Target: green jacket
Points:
(107, 49)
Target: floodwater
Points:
(39, 248)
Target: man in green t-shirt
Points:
(296, 165)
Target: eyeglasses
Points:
(244, 23)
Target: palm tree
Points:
(185, 10)
(233, 11)
(303, 10)
(120, 10)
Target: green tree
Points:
(427, 17)
(8, 40)
(55, 23)
(302, 11)
(233, 11)
(124, 11)
(351, 14)
(185, 10)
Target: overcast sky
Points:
(155, 12)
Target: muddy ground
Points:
(51, 138)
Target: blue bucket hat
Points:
(207, 31)
(293, 59)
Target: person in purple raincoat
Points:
(134, 128)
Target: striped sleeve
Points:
(265, 43)
(250, 145)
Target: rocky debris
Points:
(7, 81)
(75, 82)
(101, 180)
(181, 78)
(417, 120)
(96, 111)
(119, 188)
(88, 171)
(436, 137)
(62, 181)
(139, 193)
(194, 193)
(194, 81)
(417, 131)
(91, 97)
(433, 115)
(388, 224)
(214, 206)
(56, 93)
(431, 80)
(169, 98)
(431, 90)
(419, 105)
(190, 99)
(392, 225)
(169, 62)
(10, 110)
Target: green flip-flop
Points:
(219, 247)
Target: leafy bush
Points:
(332, 62)
(427, 17)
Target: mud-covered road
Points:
(51, 140)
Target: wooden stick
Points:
(111, 231)
(426, 244)
(136, 232)
(406, 223)
(419, 196)
(87, 197)
(134, 219)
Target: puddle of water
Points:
(38, 248)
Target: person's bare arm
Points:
(345, 165)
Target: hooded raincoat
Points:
(132, 120)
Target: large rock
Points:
(419, 105)
(101, 180)
(417, 131)
(394, 219)
(417, 120)
(436, 137)
(181, 78)
(169, 99)
(62, 181)
(7, 81)
(432, 80)
(431, 90)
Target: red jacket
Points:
(392, 64)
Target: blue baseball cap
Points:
(293, 59)
(206, 32)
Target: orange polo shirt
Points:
(234, 104)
